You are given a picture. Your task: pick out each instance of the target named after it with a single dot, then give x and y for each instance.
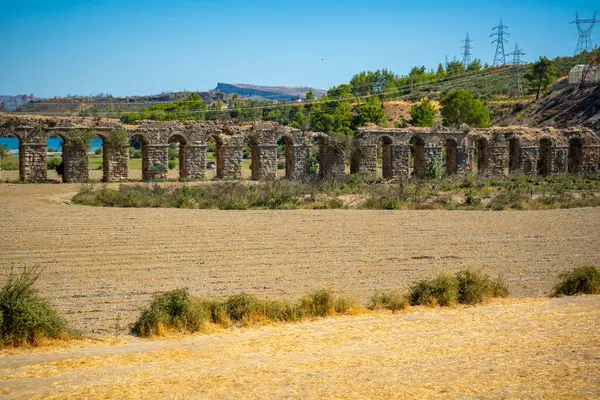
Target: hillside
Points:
(281, 93)
(12, 102)
(92, 105)
(563, 107)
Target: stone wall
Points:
(75, 162)
(32, 162)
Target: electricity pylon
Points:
(515, 85)
(500, 32)
(585, 33)
(467, 51)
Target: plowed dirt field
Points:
(104, 263)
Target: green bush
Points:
(318, 304)
(24, 316)
(172, 164)
(53, 162)
(393, 301)
(581, 280)
(442, 291)
(173, 310)
(475, 287)
(464, 287)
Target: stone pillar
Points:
(401, 162)
(267, 162)
(195, 161)
(590, 158)
(32, 162)
(75, 162)
(560, 160)
(301, 155)
(433, 155)
(367, 160)
(156, 163)
(497, 160)
(232, 161)
(529, 160)
(115, 163)
(464, 160)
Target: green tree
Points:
(310, 95)
(475, 66)
(3, 107)
(423, 114)
(3, 154)
(455, 67)
(460, 107)
(541, 74)
(441, 71)
(371, 112)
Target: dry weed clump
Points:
(25, 318)
(581, 280)
(178, 311)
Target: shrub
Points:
(581, 280)
(172, 164)
(393, 301)
(53, 162)
(24, 316)
(173, 310)
(475, 287)
(318, 304)
(442, 291)
(465, 287)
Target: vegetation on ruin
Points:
(464, 193)
(580, 280)
(178, 311)
(26, 318)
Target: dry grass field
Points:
(511, 349)
(103, 264)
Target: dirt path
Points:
(519, 348)
(104, 263)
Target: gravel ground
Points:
(104, 263)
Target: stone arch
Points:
(481, 146)
(387, 156)
(417, 151)
(140, 143)
(13, 141)
(323, 156)
(451, 147)
(251, 142)
(544, 164)
(514, 155)
(55, 147)
(180, 142)
(288, 141)
(219, 163)
(575, 155)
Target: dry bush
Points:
(581, 280)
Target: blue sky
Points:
(126, 47)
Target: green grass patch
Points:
(25, 318)
(581, 280)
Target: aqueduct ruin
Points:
(389, 153)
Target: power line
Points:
(515, 85)
(500, 31)
(457, 78)
(467, 51)
(584, 43)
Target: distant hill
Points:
(13, 102)
(92, 105)
(281, 93)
